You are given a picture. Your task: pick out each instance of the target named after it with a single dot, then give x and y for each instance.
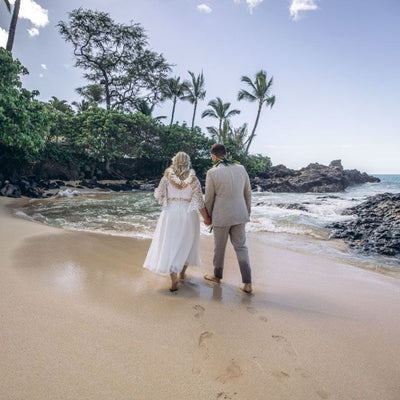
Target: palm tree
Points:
(174, 90)
(144, 108)
(220, 134)
(238, 134)
(93, 93)
(219, 110)
(83, 105)
(260, 91)
(194, 90)
(60, 105)
(13, 25)
(8, 5)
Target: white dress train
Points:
(176, 240)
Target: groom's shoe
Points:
(212, 278)
(247, 288)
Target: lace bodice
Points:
(168, 190)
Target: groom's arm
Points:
(247, 193)
(209, 193)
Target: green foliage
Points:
(219, 110)
(255, 164)
(24, 121)
(104, 135)
(193, 142)
(61, 118)
(116, 59)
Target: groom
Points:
(228, 202)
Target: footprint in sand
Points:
(196, 371)
(225, 396)
(288, 346)
(232, 371)
(199, 311)
(282, 376)
(203, 336)
(324, 395)
(263, 318)
(305, 374)
(251, 310)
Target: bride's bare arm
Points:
(206, 217)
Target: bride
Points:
(176, 241)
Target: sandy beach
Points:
(81, 319)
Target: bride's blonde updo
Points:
(181, 165)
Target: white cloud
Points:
(298, 6)
(252, 4)
(44, 66)
(34, 12)
(33, 31)
(41, 75)
(3, 38)
(204, 8)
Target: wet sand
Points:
(81, 319)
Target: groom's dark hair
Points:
(218, 150)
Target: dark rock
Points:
(315, 178)
(376, 227)
(50, 169)
(10, 190)
(328, 197)
(30, 188)
(147, 187)
(292, 206)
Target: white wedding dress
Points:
(176, 240)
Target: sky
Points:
(335, 66)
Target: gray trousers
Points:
(237, 235)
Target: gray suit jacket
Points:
(228, 195)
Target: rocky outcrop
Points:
(315, 177)
(21, 187)
(376, 228)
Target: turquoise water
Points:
(135, 214)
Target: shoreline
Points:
(336, 250)
(82, 319)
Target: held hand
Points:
(207, 221)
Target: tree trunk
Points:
(92, 170)
(108, 169)
(108, 97)
(13, 26)
(251, 137)
(173, 111)
(194, 113)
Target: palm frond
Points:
(209, 113)
(247, 80)
(232, 113)
(271, 101)
(245, 95)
